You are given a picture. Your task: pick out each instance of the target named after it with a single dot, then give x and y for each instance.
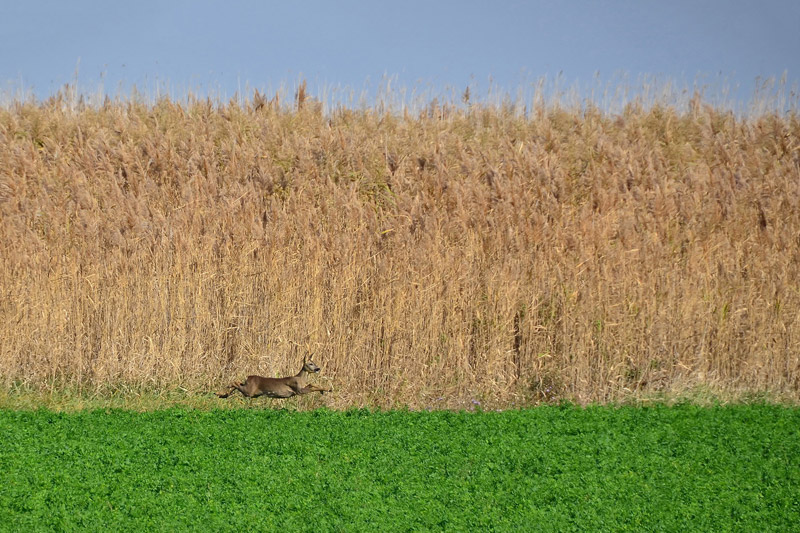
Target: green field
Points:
(733, 468)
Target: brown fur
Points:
(287, 387)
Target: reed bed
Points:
(463, 254)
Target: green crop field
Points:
(551, 468)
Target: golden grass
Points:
(468, 253)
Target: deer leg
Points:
(225, 393)
(314, 388)
(228, 391)
(242, 387)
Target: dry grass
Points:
(471, 253)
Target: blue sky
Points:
(222, 47)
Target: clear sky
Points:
(225, 46)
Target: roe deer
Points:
(255, 386)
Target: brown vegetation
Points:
(469, 253)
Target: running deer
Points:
(255, 386)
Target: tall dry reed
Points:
(464, 254)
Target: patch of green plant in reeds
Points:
(545, 469)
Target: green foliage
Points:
(559, 468)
